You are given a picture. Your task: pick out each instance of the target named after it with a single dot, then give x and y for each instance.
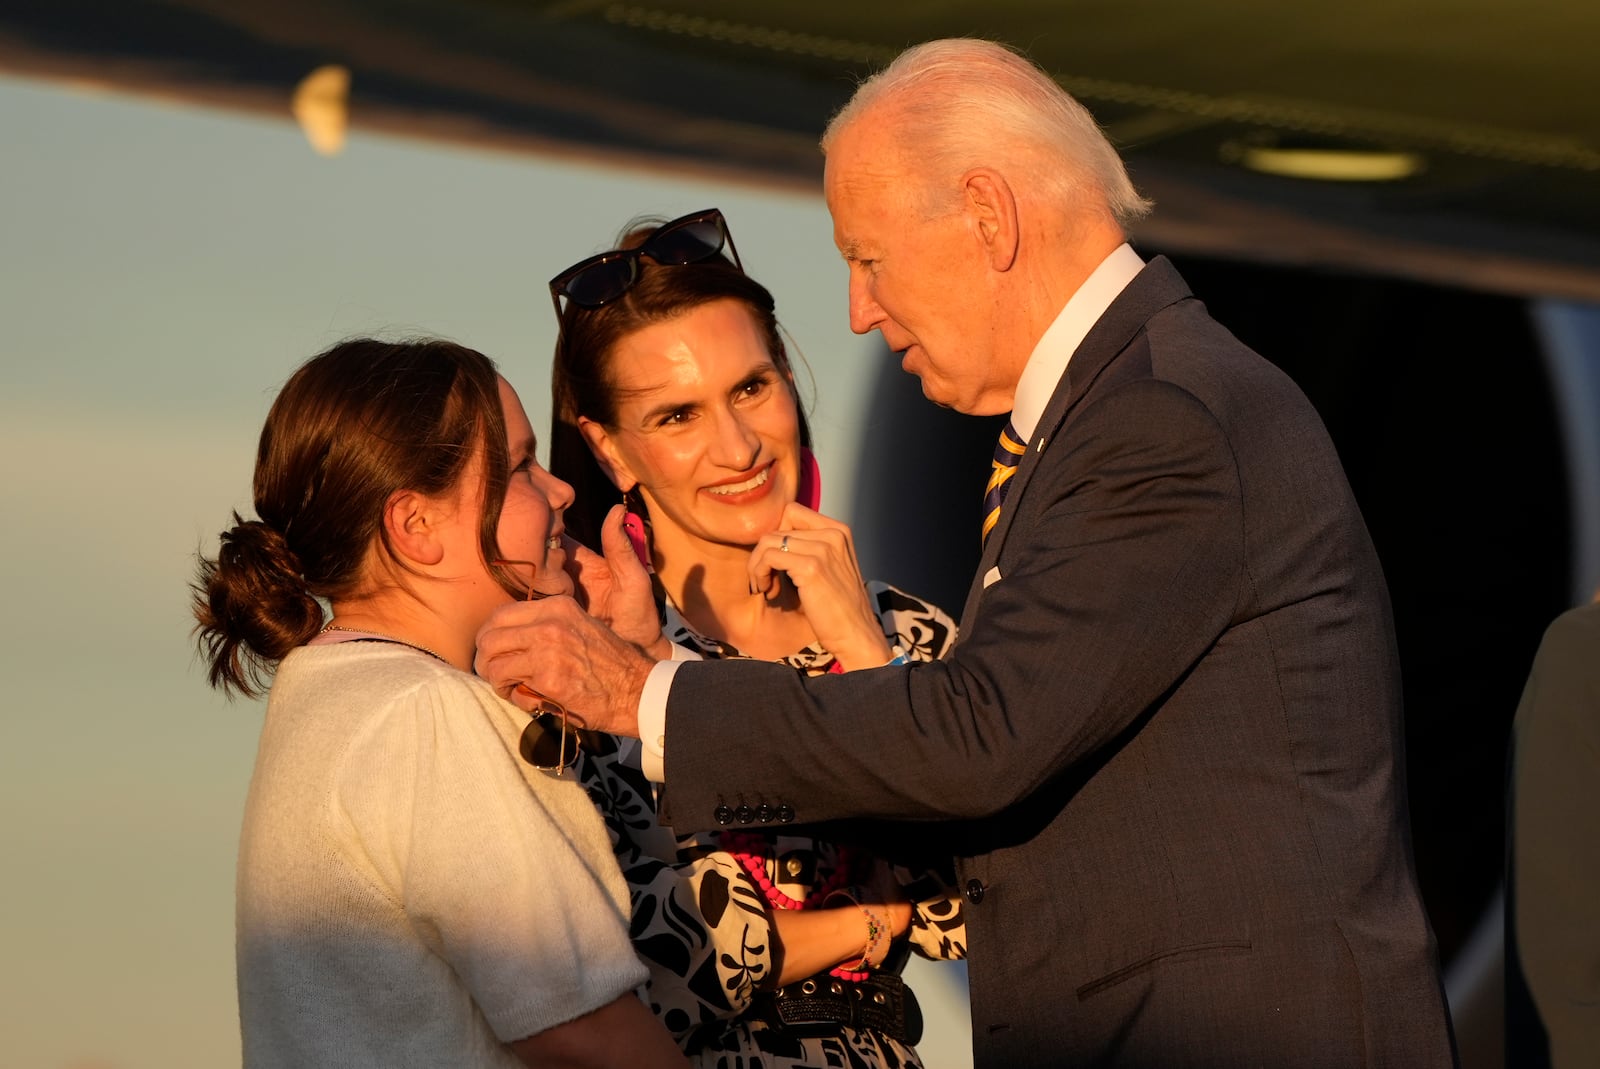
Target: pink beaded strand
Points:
(748, 851)
(743, 847)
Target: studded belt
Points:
(822, 1004)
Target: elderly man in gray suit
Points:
(1168, 744)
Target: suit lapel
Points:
(1151, 290)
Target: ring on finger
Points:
(784, 545)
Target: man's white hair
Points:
(958, 103)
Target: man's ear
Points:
(993, 209)
(607, 455)
(412, 521)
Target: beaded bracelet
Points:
(861, 969)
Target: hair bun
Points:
(257, 561)
(253, 604)
(259, 546)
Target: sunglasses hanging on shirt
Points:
(548, 741)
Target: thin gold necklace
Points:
(376, 637)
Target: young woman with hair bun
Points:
(418, 884)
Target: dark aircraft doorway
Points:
(1442, 409)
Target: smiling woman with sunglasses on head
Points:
(410, 890)
(673, 388)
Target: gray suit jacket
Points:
(1166, 750)
(1555, 845)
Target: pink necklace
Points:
(750, 851)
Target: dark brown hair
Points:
(352, 426)
(582, 383)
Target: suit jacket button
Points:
(744, 814)
(764, 813)
(975, 891)
(785, 815)
(723, 814)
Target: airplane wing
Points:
(1453, 142)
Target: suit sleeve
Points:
(1556, 837)
(1128, 567)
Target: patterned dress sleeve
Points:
(938, 929)
(699, 924)
(923, 630)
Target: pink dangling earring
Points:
(633, 527)
(809, 491)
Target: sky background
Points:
(164, 269)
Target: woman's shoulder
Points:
(924, 630)
(374, 683)
(349, 726)
(378, 668)
(1574, 635)
(383, 721)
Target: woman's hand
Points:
(819, 557)
(615, 588)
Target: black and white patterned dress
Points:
(701, 924)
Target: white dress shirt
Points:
(1061, 339)
(1040, 376)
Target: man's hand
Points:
(554, 649)
(615, 588)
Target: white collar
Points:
(1084, 308)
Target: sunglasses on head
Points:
(548, 741)
(601, 279)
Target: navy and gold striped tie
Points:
(1007, 451)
